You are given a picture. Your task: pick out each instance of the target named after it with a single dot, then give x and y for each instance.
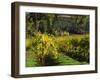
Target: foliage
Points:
(56, 24)
(77, 49)
(47, 49)
(43, 46)
(56, 39)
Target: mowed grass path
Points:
(63, 59)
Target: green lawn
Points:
(66, 60)
(63, 60)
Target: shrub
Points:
(43, 47)
(84, 42)
(77, 49)
(74, 42)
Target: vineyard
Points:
(46, 46)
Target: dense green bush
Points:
(77, 49)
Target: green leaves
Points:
(56, 24)
(77, 49)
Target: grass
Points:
(67, 38)
(66, 60)
(62, 59)
(30, 62)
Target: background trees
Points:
(56, 23)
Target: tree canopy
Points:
(56, 23)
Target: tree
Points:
(49, 23)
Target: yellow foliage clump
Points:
(44, 45)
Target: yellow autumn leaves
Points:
(44, 45)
